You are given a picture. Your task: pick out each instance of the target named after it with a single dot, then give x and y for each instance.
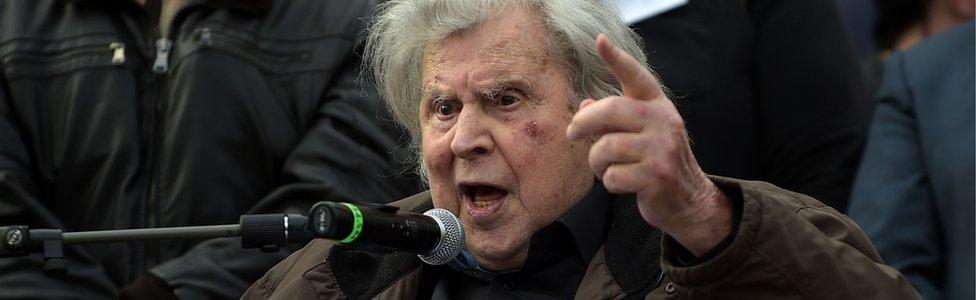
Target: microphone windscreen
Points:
(451, 241)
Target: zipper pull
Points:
(161, 65)
(118, 53)
(203, 35)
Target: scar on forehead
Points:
(433, 88)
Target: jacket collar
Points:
(632, 249)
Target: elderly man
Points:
(564, 196)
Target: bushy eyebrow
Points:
(488, 90)
(492, 89)
(434, 93)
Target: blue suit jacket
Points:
(914, 192)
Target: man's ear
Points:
(964, 9)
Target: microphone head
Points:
(451, 241)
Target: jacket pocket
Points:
(34, 58)
(268, 55)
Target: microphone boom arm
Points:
(268, 232)
(152, 234)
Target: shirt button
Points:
(669, 288)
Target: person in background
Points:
(771, 90)
(901, 24)
(131, 114)
(914, 194)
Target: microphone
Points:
(435, 236)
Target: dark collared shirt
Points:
(557, 259)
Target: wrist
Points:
(706, 222)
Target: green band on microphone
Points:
(357, 223)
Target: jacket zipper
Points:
(161, 70)
(161, 63)
(118, 53)
(163, 46)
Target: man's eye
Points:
(507, 100)
(445, 108)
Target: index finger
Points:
(637, 82)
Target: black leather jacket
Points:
(245, 109)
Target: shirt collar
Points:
(588, 220)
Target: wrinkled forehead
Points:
(509, 46)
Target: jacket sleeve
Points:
(812, 101)
(787, 246)
(892, 199)
(20, 204)
(348, 154)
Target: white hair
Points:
(402, 30)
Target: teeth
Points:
(479, 193)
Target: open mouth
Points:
(482, 200)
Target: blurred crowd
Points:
(153, 113)
(870, 110)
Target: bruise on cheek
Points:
(532, 129)
(530, 135)
(535, 133)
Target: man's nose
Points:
(472, 137)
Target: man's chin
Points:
(498, 256)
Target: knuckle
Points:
(661, 171)
(575, 119)
(669, 147)
(594, 159)
(674, 121)
(622, 180)
(600, 147)
(616, 103)
(611, 181)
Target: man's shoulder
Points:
(291, 278)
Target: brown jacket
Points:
(787, 246)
